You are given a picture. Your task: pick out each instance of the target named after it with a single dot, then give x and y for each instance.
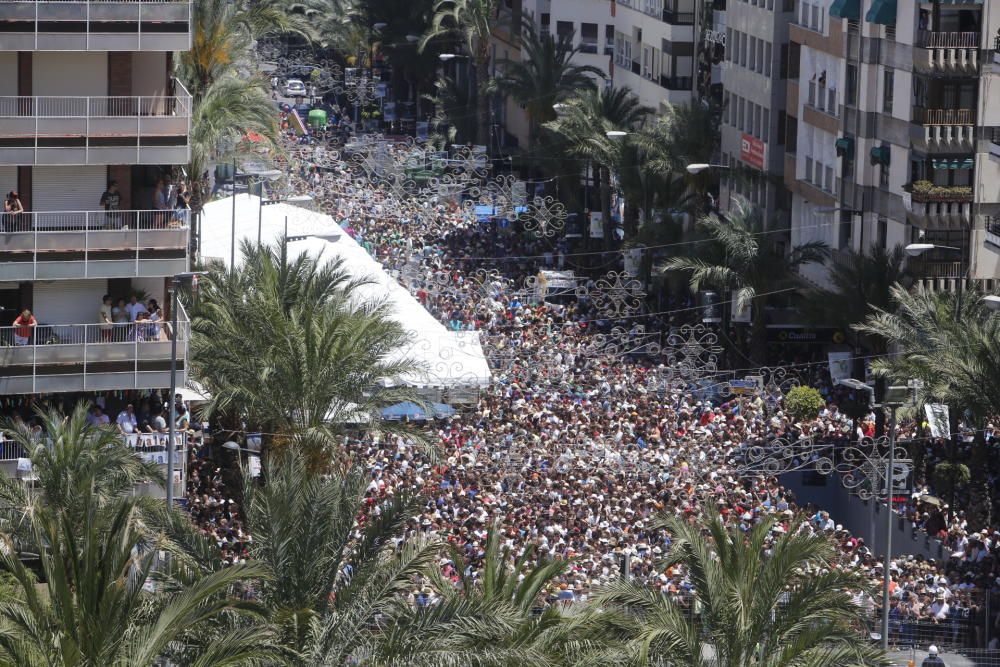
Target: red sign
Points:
(752, 151)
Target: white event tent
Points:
(449, 360)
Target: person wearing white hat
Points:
(932, 659)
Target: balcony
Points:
(678, 18)
(54, 358)
(936, 269)
(923, 116)
(152, 447)
(931, 206)
(994, 136)
(100, 25)
(67, 245)
(676, 82)
(948, 52)
(95, 130)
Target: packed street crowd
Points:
(579, 444)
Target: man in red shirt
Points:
(24, 323)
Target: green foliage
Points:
(803, 403)
(762, 600)
(950, 477)
(287, 344)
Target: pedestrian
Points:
(24, 324)
(932, 659)
(111, 201)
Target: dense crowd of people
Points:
(584, 438)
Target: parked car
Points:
(295, 88)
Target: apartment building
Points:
(891, 133)
(87, 97)
(754, 74)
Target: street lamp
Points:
(560, 108)
(175, 284)
(698, 167)
(616, 134)
(992, 301)
(235, 447)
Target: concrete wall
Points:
(858, 516)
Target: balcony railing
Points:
(678, 18)
(95, 25)
(93, 244)
(948, 40)
(141, 442)
(114, 129)
(676, 82)
(932, 269)
(51, 358)
(923, 116)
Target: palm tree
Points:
(953, 350)
(471, 22)
(544, 76)
(861, 283)
(759, 599)
(76, 466)
(231, 108)
(322, 356)
(331, 583)
(494, 614)
(454, 108)
(753, 269)
(94, 608)
(583, 129)
(681, 135)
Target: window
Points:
(809, 169)
(852, 85)
(752, 53)
(564, 28)
(725, 106)
(740, 110)
(831, 102)
(767, 59)
(588, 38)
(729, 45)
(829, 179)
(882, 233)
(888, 84)
(545, 21)
(609, 40)
(647, 62)
(743, 49)
(883, 176)
(811, 99)
(765, 126)
(760, 57)
(756, 120)
(782, 120)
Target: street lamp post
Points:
(175, 284)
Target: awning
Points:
(957, 163)
(882, 12)
(880, 155)
(845, 147)
(846, 9)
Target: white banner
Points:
(938, 420)
(840, 365)
(596, 225)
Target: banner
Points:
(748, 386)
(938, 420)
(752, 151)
(596, 225)
(840, 365)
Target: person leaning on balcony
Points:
(24, 324)
(126, 422)
(105, 318)
(111, 200)
(12, 207)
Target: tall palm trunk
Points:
(483, 109)
(758, 344)
(606, 205)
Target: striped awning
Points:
(958, 163)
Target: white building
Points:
(893, 108)
(86, 97)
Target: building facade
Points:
(754, 118)
(89, 98)
(891, 139)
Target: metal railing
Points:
(54, 335)
(52, 223)
(932, 269)
(947, 40)
(678, 18)
(943, 116)
(95, 107)
(145, 442)
(676, 82)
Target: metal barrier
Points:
(53, 222)
(51, 335)
(141, 442)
